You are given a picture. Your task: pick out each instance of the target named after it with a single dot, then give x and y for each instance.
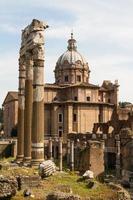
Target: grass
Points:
(101, 192)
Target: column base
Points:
(27, 160)
(36, 162)
(19, 158)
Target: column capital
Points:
(38, 52)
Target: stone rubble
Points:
(122, 194)
(62, 196)
(8, 187)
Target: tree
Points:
(124, 104)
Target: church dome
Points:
(71, 66)
(71, 56)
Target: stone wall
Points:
(90, 157)
(8, 148)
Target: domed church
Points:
(72, 104)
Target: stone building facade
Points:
(80, 112)
(10, 108)
(72, 103)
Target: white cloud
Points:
(8, 74)
(8, 28)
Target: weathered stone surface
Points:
(62, 196)
(122, 194)
(8, 187)
(88, 175)
(47, 168)
(28, 181)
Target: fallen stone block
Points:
(47, 168)
(88, 175)
(62, 196)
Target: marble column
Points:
(21, 100)
(38, 106)
(50, 148)
(72, 155)
(28, 107)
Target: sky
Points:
(103, 30)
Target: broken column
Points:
(28, 107)
(32, 52)
(21, 100)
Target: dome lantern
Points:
(72, 44)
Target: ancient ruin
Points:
(31, 105)
(71, 121)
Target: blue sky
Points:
(103, 30)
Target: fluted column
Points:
(38, 106)
(21, 99)
(28, 107)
